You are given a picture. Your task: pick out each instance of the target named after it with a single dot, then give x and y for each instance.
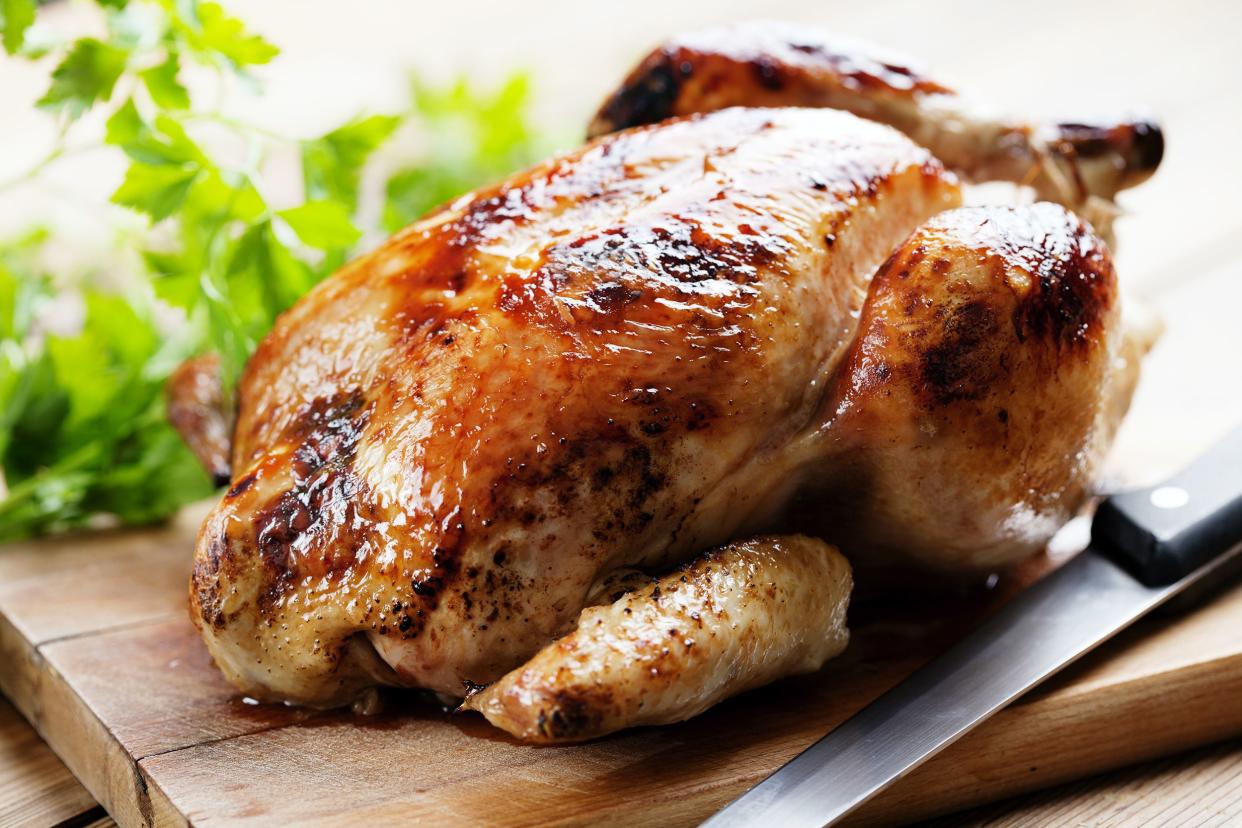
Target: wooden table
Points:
(1058, 57)
(36, 789)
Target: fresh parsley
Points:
(83, 432)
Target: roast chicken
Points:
(581, 448)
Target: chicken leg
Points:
(1081, 166)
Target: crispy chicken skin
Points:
(735, 618)
(679, 336)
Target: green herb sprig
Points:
(82, 425)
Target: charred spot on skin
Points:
(965, 363)
(206, 580)
(426, 587)
(915, 257)
(611, 297)
(701, 416)
(601, 276)
(610, 458)
(430, 584)
(1070, 299)
(242, 485)
(573, 714)
(860, 71)
(648, 95)
(653, 428)
(1059, 274)
(768, 73)
(326, 497)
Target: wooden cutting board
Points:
(97, 651)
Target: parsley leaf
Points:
(15, 18)
(165, 143)
(322, 224)
(214, 33)
(164, 87)
(332, 164)
(83, 431)
(156, 191)
(85, 75)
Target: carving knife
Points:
(1146, 547)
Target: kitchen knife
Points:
(1146, 546)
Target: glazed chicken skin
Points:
(678, 337)
(599, 364)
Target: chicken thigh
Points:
(550, 393)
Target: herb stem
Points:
(234, 124)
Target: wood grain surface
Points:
(1197, 789)
(35, 787)
(96, 650)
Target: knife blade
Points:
(1146, 546)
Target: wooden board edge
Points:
(79, 737)
(1060, 737)
(1043, 728)
(19, 678)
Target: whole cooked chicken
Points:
(538, 450)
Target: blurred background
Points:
(1059, 59)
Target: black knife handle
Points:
(1166, 532)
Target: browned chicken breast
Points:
(576, 380)
(600, 364)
